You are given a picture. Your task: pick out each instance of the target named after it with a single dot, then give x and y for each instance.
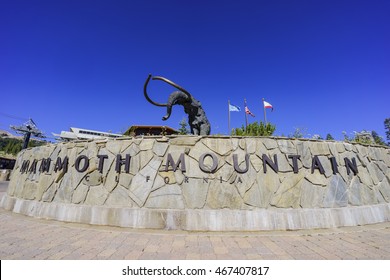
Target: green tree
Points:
(13, 146)
(329, 137)
(347, 138)
(298, 133)
(183, 130)
(255, 129)
(387, 128)
(378, 139)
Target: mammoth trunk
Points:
(176, 98)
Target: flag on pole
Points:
(267, 105)
(248, 112)
(234, 108)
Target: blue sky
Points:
(323, 65)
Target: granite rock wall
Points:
(202, 178)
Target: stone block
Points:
(223, 196)
(45, 181)
(336, 194)
(304, 151)
(80, 194)
(312, 195)
(269, 144)
(287, 147)
(97, 195)
(256, 162)
(284, 164)
(49, 194)
(289, 193)
(220, 147)
(160, 148)
(384, 188)
(132, 150)
(251, 145)
(29, 191)
(114, 147)
(146, 144)
(184, 140)
(319, 148)
(142, 183)
(257, 196)
(119, 197)
(168, 197)
(354, 192)
(375, 173)
(124, 181)
(195, 193)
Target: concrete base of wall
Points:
(202, 220)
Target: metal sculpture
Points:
(199, 124)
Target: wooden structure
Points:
(148, 130)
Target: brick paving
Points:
(27, 238)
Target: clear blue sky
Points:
(323, 65)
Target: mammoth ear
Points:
(147, 96)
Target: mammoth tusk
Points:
(147, 96)
(172, 84)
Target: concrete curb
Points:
(202, 219)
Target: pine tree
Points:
(387, 128)
(183, 127)
(329, 137)
(378, 140)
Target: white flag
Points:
(234, 108)
(267, 105)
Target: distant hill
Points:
(11, 145)
(4, 133)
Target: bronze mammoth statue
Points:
(199, 124)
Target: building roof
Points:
(137, 130)
(84, 134)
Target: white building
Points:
(84, 134)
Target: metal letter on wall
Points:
(45, 165)
(316, 164)
(295, 162)
(120, 161)
(101, 162)
(181, 162)
(269, 162)
(77, 163)
(203, 167)
(351, 165)
(61, 165)
(25, 166)
(237, 167)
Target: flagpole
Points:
(265, 116)
(246, 117)
(229, 132)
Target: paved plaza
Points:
(26, 238)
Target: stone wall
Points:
(204, 183)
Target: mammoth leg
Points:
(205, 129)
(195, 131)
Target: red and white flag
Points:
(248, 112)
(267, 105)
